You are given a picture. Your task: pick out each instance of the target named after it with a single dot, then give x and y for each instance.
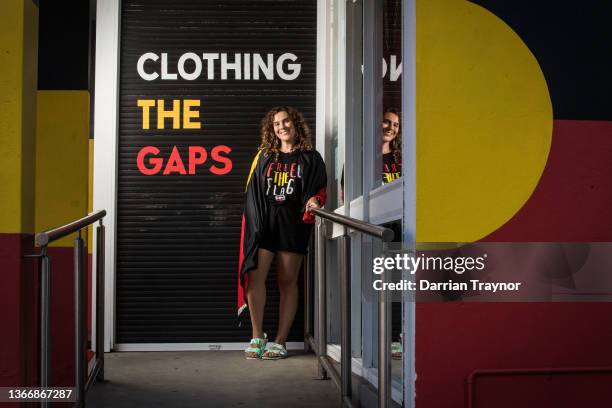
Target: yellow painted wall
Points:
(18, 75)
(62, 157)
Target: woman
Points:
(392, 146)
(392, 170)
(287, 180)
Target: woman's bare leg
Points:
(288, 271)
(256, 291)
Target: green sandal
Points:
(396, 350)
(274, 351)
(257, 347)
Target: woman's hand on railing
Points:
(313, 202)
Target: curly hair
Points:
(396, 143)
(270, 144)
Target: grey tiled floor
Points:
(210, 379)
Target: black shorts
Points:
(285, 231)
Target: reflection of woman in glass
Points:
(392, 145)
(287, 180)
(391, 149)
(392, 170)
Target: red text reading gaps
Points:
(149, 163)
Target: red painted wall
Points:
(62, 323)
(18, 312)
(571, 203)
(573, 199)
(454, 339)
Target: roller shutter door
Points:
(178, 234)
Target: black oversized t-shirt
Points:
(392, 170)
(284, 180)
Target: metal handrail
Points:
(325, 366)
(46, 237)
(83, 380)
(385, 234)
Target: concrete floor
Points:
(210, 379)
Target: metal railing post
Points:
(384, 312)
(100, 300)
(344, 268)
(80, 322)
(45, 321)
(320, 296)
(308, 295)
(42, 239)
(384, 345)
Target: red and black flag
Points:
(313, 183)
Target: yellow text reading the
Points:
(190, 113)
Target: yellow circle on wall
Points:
(484, 121)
